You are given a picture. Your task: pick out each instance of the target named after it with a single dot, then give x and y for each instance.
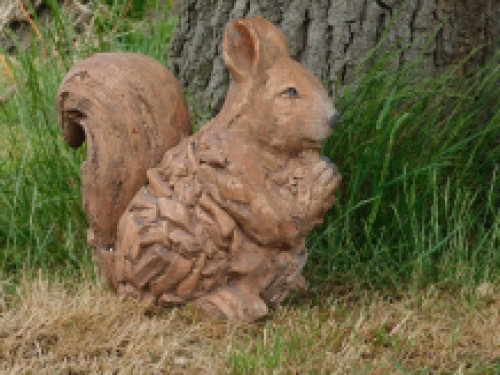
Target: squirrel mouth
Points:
(316, 142)
(312, 145)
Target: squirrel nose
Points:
(334, 119)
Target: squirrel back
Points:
(130, 110)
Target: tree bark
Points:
(14, 19)
(331, 37)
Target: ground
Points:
(83, 328)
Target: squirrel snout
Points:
(334, 119)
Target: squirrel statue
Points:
(218, 218)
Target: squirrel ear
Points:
(241, 49)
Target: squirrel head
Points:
(273, 99)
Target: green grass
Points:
(420, 197)
(41, 220)
(419, 158)
(135, 8)
(76, 326)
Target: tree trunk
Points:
(331, 37)
(14, 21)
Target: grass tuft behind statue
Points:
(419, 157)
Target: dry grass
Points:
(84, 329)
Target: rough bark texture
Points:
(330, 37)
(13, 20)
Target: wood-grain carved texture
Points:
(222, 219)
(130, 110)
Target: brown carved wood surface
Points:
(221, 220)
(130, 110)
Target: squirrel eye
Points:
(291, 92)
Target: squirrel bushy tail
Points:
(130, 110)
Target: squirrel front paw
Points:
(316, 190)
